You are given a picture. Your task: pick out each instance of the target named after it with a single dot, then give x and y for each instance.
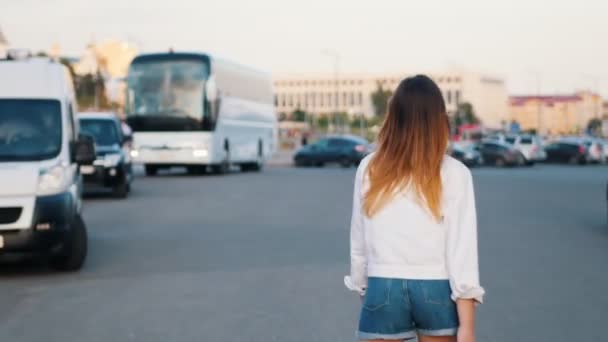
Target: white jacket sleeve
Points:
(462, 260)
(357, 281)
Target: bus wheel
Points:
(220, 169)
(196, 169)
(258, 163)
(151, 170)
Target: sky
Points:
(557, 46)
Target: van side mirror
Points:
(84, 150)
(127, 139)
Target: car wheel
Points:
(121, 190)
(151, 170)
(500, 162)
(345, 162)
(72, 255)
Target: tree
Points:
(323, 121)
(594, 126)
(465, 114)
(380, 99)
(299, 115)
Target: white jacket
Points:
(404, 241)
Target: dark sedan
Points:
(501, 154)
(467, 155)
(567, 151)
(344, 150)
(112, 169)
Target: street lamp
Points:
(336, 57)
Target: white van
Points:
(40, 154)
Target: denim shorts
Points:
(399, 309)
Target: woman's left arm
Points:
(462, 260)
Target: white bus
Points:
(193, 110)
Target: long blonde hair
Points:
(411, 147)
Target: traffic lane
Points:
(543, 245)
(298, 277)
(254, 249)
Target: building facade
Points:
(316, 93)
(3, 45)
(556, 114)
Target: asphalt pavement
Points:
(261, 257)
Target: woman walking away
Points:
(414, 230)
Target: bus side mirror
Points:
(84, 150)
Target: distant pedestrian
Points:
(304, 139)
(413, 230)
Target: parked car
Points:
(604, 144)
(594, 148)
(500, 154)
(466, 154)
(112, 169)
(345, 150)
(531, 146)
(40, 151)
(567, 151)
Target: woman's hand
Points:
(465, 334)
(466, 316)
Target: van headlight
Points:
(112, 159)
(52, 180)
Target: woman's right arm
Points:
(357, 281)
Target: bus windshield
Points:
(29, 129)
(166, 95)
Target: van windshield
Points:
(29, 129)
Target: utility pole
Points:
(539, 113)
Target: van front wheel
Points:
(72, 255)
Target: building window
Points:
(321, 100)
(330, 99)
(305, 100)
(290, 100)
(457, 97)
(276, 100)
(282, 100)
(344, 98)
(449, 97)
(313, 100)
(352, 99)
(360, 99)
(448, 80)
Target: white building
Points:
(315, 93)
(3, 45)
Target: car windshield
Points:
(29, 129)
(103, 131)
(526, 140)
(510, 140)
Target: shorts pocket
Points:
(436, 292)
(377, 294)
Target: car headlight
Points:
(469, 155)
(52, 180)
(112, 159)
